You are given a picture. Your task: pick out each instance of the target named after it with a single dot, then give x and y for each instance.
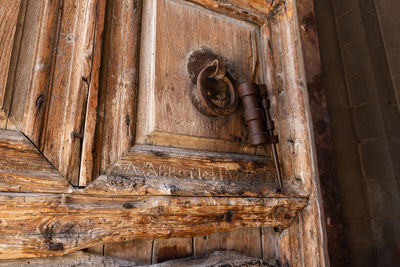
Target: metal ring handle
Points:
(203, 90)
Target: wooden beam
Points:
(139, 185)
(57, 224)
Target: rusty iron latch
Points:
(215, 94)
(256, 115)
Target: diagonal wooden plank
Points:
(24, 169)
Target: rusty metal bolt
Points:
(253, 114)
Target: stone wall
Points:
(360, 50)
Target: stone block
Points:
(383, 198)
(341, 124)
(368, 121)
(362, 88)
(376, 160)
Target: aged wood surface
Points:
(269, 237)
(88, 142)
(24, 169)
(22, 62)
(97, 250)
(116, 184)
(175, 163)
(86, 220)
(49, 87)
(246, 241)
(166, 115)
(70, 85)
(335, 239)
(218, 258)
(254, 10)
(172, 248)
(137, 250)
(31, 96)
(55, 73)
(119, 81)
(9, 11)
(287, 81)
(74, 259)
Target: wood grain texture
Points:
(172, 248)
(22, 63)
(254, 10)
(217, 259)
(269, 241)
(175, 163)
(87, 220)
(115, 128)
(166, 115)
(70, 86)
(96, 250)
(24, 169)
(287, 82)
(28, 111)
(88, 143)
(9, 11)
(246, 241)
(48, 90)
(78, 258)
(137, 250)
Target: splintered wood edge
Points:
(87, 220)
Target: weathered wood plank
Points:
(97, 250)
(246, 241)
(48, 89)
(24, 169)
(254, 10)
(86, 220)
(29, 117)
(75, 259)
(269, 241)
(287, 80)
(217, 259)
(139, 185)
(9, 11)
(137, 250)
(175, 163)
(172, 248)
(22, 63)
(87, 157)
(60, 141)
(118, 87)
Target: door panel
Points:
(166, 116)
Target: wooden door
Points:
(102, 142)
